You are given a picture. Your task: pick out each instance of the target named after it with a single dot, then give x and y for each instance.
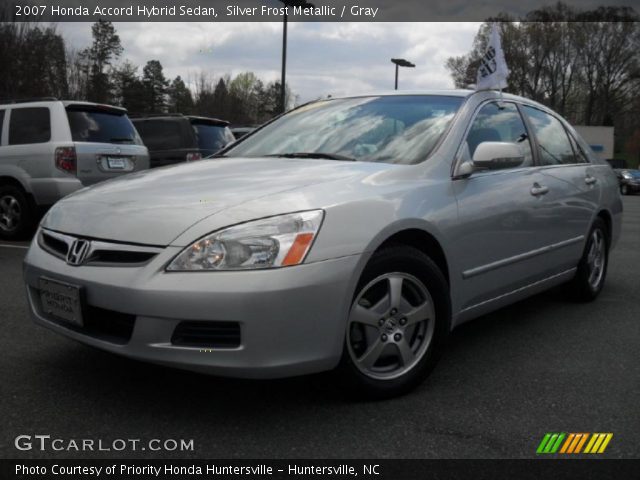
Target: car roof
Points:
(179, 116)
(66, 103)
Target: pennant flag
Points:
(493, 71)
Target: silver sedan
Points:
(351, 234)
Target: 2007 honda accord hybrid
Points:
(349, 234)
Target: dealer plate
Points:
(61, 300)
(117, 163)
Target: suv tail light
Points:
(194, 156)
(66, 159)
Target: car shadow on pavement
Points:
(92, 371)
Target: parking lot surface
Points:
(541, 365)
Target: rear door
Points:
(572, 182)
(106, 143)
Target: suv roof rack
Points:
(27, 100)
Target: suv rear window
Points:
(100, 126)
(163, 134)
(29, 125)
(212, 138)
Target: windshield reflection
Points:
(392, 129)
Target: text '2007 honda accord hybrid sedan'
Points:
(349, 234)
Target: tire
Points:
(624, 190)
(592, 269)
(16, 216)
(398, 324)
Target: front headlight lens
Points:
(271, 242)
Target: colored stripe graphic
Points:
(598, 443)
(550, 443)
(572, 443)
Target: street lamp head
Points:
(401, 62)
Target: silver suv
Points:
(50, 148)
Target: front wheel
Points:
(397, 326)
(624, 190)
(592, 269)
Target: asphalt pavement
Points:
(542, 365)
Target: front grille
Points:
(54, 245)
(119, 256)
(100, 253)
(207, 334)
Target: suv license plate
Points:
(61, 300)
(116, 163)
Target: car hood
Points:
(156, 206)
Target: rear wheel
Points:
(15, 214)
(592, 269)
(397, 325)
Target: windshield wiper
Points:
(320, 155)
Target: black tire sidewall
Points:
(409, 260)
(25, 216)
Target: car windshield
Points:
(392, 129)
(102, 126)
(212, 138)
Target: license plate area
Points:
(115, 164)
(61, 300)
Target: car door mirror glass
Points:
(497, 155)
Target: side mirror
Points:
(497, 155)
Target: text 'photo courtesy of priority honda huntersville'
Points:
(349, 234)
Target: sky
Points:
(322, 58)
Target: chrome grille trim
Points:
(101, 253)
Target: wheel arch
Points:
(416, 233)
(608, 221)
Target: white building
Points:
(599, 138)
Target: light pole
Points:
(401, 62)
(283, 75)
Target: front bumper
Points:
(292, 320)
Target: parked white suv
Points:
(50, 148)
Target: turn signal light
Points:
(298, 250)
(66, 159)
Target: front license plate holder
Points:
(61, 300)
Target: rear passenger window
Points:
(555, 147)
(500, 123)
(162, 134)
(29, 125)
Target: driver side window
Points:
(500, 123)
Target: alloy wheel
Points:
(391, 326)
(596, 258)
(10, 213)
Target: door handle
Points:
(589, 180)
(538, 189)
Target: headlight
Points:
(626, 175)
(268, 243)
